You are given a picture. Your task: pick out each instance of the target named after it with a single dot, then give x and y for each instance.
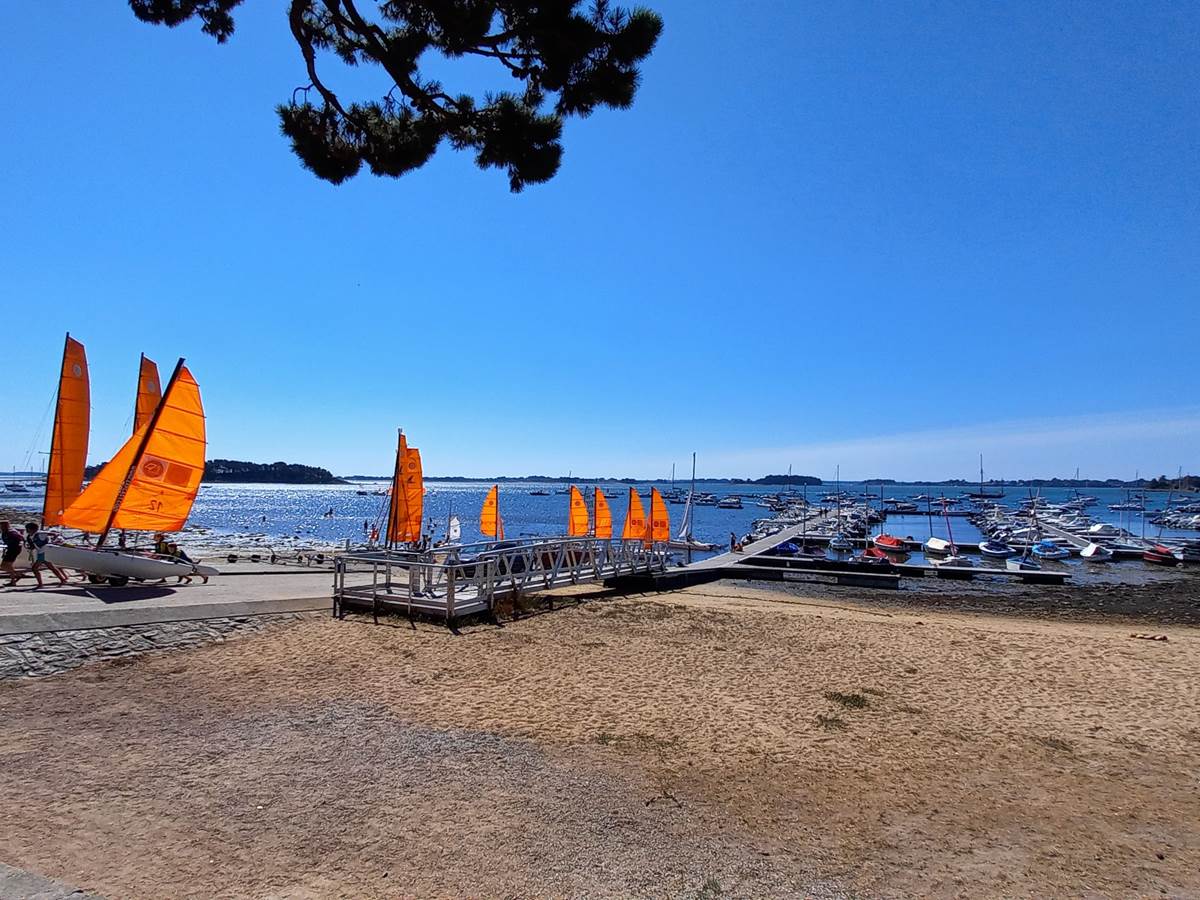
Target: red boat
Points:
(875, 556)
(890, 543)
(1160, 556)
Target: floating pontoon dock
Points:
(470, 579)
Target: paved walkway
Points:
(17, 884)
(241, 592)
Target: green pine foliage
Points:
(564, 60)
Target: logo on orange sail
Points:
(153, 468)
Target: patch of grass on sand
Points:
(849, 701)
(831, 723)
(1055, 744)
(638, 740)
(710, 889)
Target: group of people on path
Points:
(34, 540)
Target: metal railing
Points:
(468, 579)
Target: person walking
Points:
(12, 549)
(36, 541)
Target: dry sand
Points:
(685, 744)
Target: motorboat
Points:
(539, 493)
(1103, 529)
(890, 543)
(730, 503)
(996, 549)
(15, 487)
(1094, 552)
(1050, 550)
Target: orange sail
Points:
(414, 491)
(149, 393)
(69, 442)
(577, 519)
(660, 519)
(408, 495)
(635, 519)
(603, 516)
(491, 523)
(151, 483)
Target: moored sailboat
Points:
(684, 540)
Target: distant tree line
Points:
(238, 472)
(578, 479)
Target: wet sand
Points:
(724, 740)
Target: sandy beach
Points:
(725, 740)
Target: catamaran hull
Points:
(115, 564)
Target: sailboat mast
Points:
(396, 488)
(837, 480)
(804, 521)
(949, 533)
(692, 499)
(137, 457)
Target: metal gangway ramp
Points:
(470, 579)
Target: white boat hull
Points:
(115, 564)
(1096, 553)
(939, 546)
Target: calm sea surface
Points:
(286, 517)
(333, 514)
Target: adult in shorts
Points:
(36, 541)
(13, 543)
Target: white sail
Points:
(685, 527)
(454, 530)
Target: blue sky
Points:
(885, 236)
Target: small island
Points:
(233, 471)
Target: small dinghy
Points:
(1022, 564)
(939, 547)
(889, 543)
(1160, 555)
(996, 549)
(873, 556)
(1094, 552)
(1050, 550)
(840, 543)
(953, 566)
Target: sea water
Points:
(287, 516)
